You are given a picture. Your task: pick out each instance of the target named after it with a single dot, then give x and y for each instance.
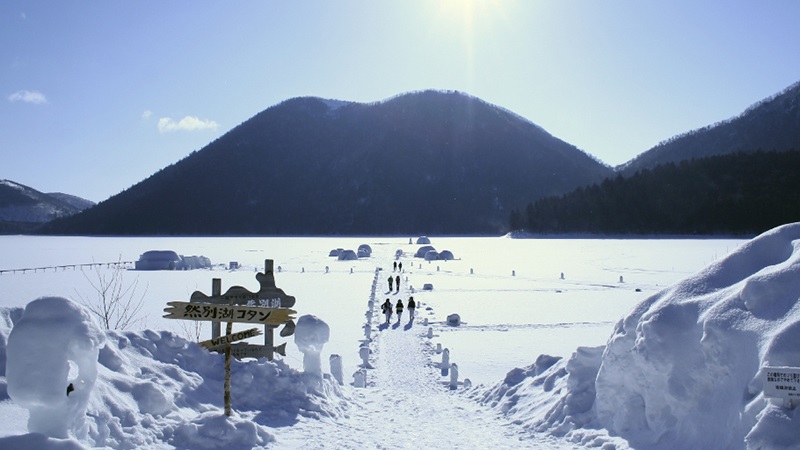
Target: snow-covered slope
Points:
(73, 200)
(685, 368)
(20, 203)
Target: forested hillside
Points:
(742, 193)
(772, 124)
(425, 162)
(23, 209)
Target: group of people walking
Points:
(396, 281)
(398, 267)
(386, 308)
(394, 285)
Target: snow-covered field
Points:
(532, 312)
(517, 299)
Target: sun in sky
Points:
(468, 21)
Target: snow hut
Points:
(431, 255)
(364, 251)
(423, 250)
(159, 260)
(336, 252)
(196, 262)
(446, 255)
(347, 255)
(423, 240)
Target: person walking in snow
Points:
(391, 280)
(386, 307)
(396, 282)
(395, 267)
(399, 309)
(400, 266)
(411, 307)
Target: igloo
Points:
(423, 250)
(347, 255)
(446, 255)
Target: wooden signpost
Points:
(241, 350)
(228, 313)
(269, 306)
(222, 340)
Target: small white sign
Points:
(782, 382)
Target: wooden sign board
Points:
(782, 382)
(228, 313)
(268, 295)
(227, 339)
(241, 350)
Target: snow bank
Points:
(157, 390)
(684, 368)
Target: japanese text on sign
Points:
(265, 302)
(782, 382)
(228, 313)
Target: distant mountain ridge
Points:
(734, 177)
(424, 162)
(772, 124)
(79, 203)
(421, 162)
(23, 208)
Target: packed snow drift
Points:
(685, 369)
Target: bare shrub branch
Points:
(116, 304)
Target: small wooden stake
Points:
(228, 330)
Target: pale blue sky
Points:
(95, 96)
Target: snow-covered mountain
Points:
(77, 202)
(772, 124)
(22, 206)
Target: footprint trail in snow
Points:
(408, 403)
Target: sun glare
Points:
(469, 22)
(465, 12)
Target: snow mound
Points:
(154, 389)
(684, 368)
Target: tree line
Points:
(740, 194)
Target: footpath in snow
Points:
(407, 402)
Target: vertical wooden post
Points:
(269, 341)
(216, 290)
(269, 338)
(228, 330)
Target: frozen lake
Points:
(510, 293)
